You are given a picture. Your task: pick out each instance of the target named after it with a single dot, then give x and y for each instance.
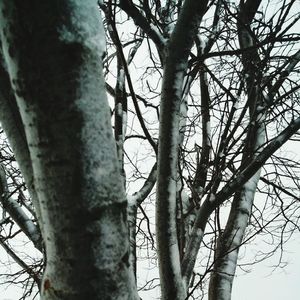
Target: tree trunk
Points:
(229, 242)
(12, 124)
(176, 57)
(53, 50)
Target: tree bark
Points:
(229, 242)
(175, 65)
(12, 124)
(53, 50)
(16, 212)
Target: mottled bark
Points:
(229, 189)
(53, 50)
(12, 124)
(16, 212)
(229, 241)
(120, 116)
(133, 202)
(175, 65)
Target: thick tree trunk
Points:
(53, 50)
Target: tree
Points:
(205, 115)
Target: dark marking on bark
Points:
(125, 259)
(49, 289)
(47, 285)
(114, 208)
(11, 51)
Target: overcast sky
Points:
(262, 284)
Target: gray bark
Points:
(16, 212)
(175, 64)
(12, 124)
(53, 50)
(229, 189)
(229, 242)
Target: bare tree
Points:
(203, 96)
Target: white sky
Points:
(262, 284)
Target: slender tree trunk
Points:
(177, 51)
(132, 216)
(230, 240)
(133, 202)
(53, 50)
(17, 213)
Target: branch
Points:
(17, 213)
(245, 49)
(145, 24)
(138, 197)
(20, 262)
(202, 165)
(290, 65)
(133, 202)
(258, 161)
(227, 191)
(14, 129)
(280, 188)
(130, 86)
